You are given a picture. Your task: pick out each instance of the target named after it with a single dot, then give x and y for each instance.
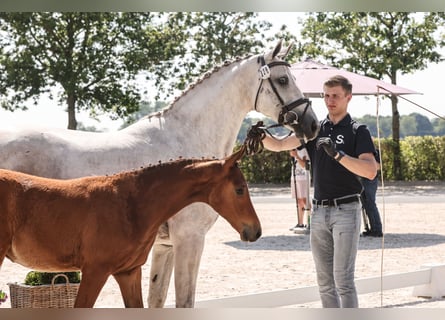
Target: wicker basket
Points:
(44, 296)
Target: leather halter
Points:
(287, 114)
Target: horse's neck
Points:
(207, 118)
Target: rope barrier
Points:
(382, 179)
(383, 197)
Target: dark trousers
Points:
(368, 200)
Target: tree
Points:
(423, 124)
(92, 57)
(214, 37)
(409, 126)
(377, 44)
(439, 126)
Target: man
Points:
(338, 155)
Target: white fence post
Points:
(436, 287)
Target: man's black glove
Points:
(328, 145)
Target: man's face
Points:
(336, 100)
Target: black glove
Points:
(328, 145)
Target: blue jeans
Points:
(368, 199)
(335, 233)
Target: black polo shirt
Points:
(331, 179)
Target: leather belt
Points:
(337, 201)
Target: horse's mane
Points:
(198, 81)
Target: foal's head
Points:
(230, 197)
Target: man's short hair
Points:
(339, 80)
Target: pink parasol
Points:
(310, 76)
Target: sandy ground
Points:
(414, 225)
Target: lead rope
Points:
(383, 198)
(255, 135)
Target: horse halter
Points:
(287, 114)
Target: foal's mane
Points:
(180, 162)
(192, 86)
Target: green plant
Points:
(3, 296)
(35, 278)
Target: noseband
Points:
(287, 114)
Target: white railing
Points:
(429, 281)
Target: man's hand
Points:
(254, 139)
(256, 132)
(328, 145)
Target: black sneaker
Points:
(375, 234)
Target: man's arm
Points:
(363, 166)
(281, 143)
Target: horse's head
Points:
(279, 97)
(230, 197)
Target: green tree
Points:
(408, 126)
(423, 124)
(92, 57)
(95, 58)
(439, 126)
(377, 44)
(213, 37)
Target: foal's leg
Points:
(2, 254)
(5, 239)
(90, 285)
(130, 284)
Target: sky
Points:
(427, 82)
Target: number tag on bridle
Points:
(264, 72)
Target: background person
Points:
(299, 187)
(368, 201)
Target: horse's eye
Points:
(283, 80)
(239, 191)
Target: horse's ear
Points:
(285, 51)
(234, 157)
(277, 49)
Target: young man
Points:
(338, 155)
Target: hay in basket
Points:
(44, 296)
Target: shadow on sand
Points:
(301, 242)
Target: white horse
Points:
(203, 122)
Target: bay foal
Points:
(106, 225)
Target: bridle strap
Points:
(286, 108)
(266, 75)
(289, 108)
